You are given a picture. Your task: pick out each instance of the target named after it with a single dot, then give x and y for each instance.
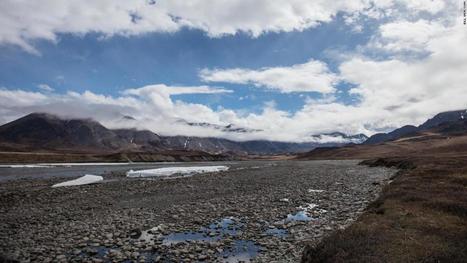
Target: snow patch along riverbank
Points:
(87, 179)
(169, 171)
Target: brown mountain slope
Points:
(46, 132)
(421, 215)
(446, 139)
(409, 130)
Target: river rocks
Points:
(135, 233)
(110, 222)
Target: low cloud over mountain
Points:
(41, 131)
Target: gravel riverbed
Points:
(263, 211)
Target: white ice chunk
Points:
(167, 171)
(87, 179)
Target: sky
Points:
(282, 70)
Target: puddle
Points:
(214, 232)
(176, 238)
(237, 251)
(226, 226)
(304, 214)
(277, 232)
(299, 216)
(98, 252)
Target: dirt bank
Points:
(420, 217)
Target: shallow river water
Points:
(45, 171)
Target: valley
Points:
(351, 202)
(87, 139)
(274, 209)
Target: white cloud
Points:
(45, 87)
(175, 90)
(220, 17)
(19, 98)
(399, 91)
(391, 91)
(431, 6)
(151, 105)
(313, 76)
(25, 21)
(406, 36)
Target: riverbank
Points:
(160, 156)
(260, 210)
(420, 217)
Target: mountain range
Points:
(42, 131)
(446, 118)
(443, 135)
(46, 132)
(224, 128)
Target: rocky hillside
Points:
(41, 131)
(448, 136)
(408, 130)
(45, 131)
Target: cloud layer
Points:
(25, 21)
(311, 76)
(419, 69)
(390, 92)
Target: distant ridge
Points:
(445, 135)
(440, 118)
(42, 131)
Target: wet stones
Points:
(135, 233)
(107, 223)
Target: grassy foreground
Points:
(420, 217)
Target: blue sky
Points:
(288, 69)
(110, 65)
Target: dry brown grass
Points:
(420, 217)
